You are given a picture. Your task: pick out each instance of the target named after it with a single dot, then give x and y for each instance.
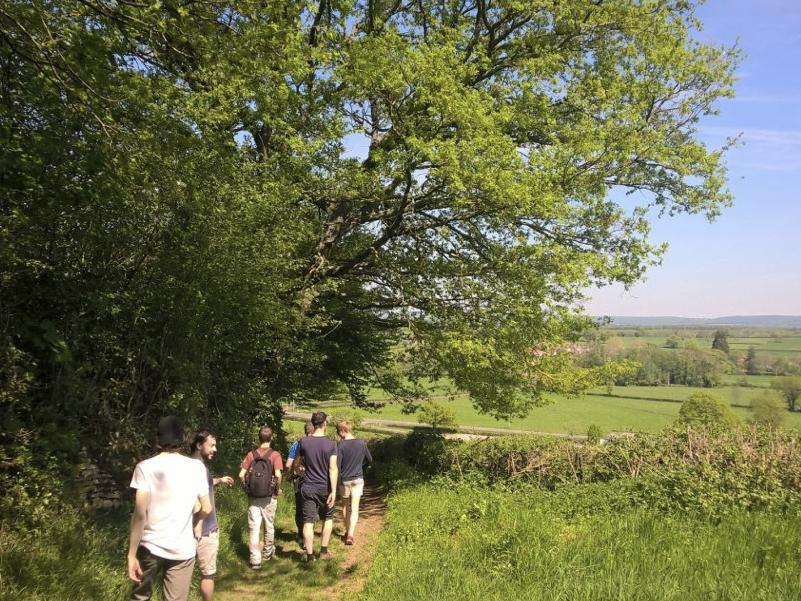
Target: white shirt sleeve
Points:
(139, 480)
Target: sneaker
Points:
(310, 559)
(268, 555)
(326, 555)
(349, 540)
(255, 566)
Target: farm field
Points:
(790, 345)
(575, 415)
(752, 380)
(770, 346)
(628, 408)
(733, 395)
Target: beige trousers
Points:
(261, 511)
(177, 576)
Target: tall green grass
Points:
(69, 557)
(465, 543)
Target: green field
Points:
(629, 408)
(575, 415)
(751, 380)
(789, 346)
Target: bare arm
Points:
(333, 475)
(242, 473)
(205, 507)
(137, 527)
(277, 474)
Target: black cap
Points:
(317, 419)
(171, 432)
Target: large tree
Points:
(205, 202)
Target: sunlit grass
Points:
(459, 545)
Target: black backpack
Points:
(260, 476)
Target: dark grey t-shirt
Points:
(316, 452)
(353, 456)
(210, 523)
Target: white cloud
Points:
(768, 99)
(761, 149)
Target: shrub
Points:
(704, 409)
(703, 469)
(354, 416)
(790, 388)
(426, 450)
(768, 409)
(594, 434)
(441, 417)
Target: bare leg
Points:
(207, 587)
(353, 514)
(308, 537)
(328, 526)
(346, 514)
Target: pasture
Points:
(787, 344)
(627, 408)
(573, 415)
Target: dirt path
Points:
(287, 577)
(357, 557)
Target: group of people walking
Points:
(174, 523)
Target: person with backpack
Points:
(171, 491)
(260, 472)
(319, 489)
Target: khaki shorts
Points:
(351, 487)
(207, 548)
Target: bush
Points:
(354, 416)
(426, 450)
(702, 469)
(594, 434)
(768, 409)
(704, 409)
(439, 416)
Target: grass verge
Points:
(465, 543)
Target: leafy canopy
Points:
(186, 227)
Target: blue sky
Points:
(748, 261)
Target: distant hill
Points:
(741, 321)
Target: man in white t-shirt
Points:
(170, 490)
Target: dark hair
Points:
(170, 434)
(201, 436)
(318, 418)
(308, 428)
(265, 434)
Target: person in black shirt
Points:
(318, 491)
(354, 456)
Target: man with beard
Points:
(204, 448)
